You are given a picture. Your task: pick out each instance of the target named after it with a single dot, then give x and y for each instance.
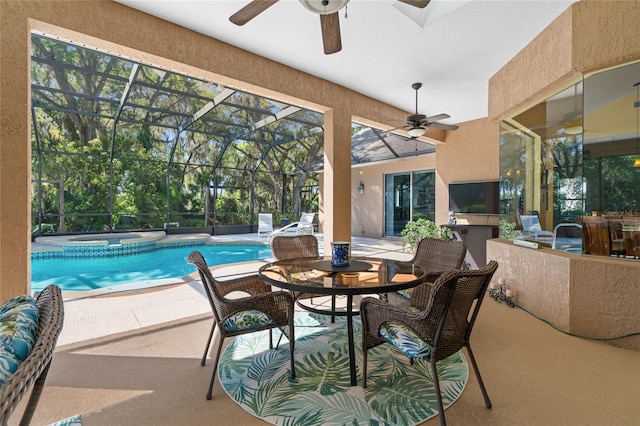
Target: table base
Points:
(348, 313)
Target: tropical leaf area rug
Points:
(398, 393)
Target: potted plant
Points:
(416, 230)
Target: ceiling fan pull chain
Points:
(346, 15)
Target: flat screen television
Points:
(475, 197)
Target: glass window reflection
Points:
(574, 153)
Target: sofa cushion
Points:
(18, 326)
(8, 365)
(70, 421)
(18, 329)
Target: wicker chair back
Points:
(296, 246)
(33, 370)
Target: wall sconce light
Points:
(361, 187)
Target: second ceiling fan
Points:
(327, 9)
(417, 123)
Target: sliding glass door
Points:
(408, 196)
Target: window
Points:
(574, 153)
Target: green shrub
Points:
(45, 228)
(508, 229)
(416, 230)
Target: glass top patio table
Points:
(364, 275)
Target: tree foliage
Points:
(132, 154)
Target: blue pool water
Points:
(164, 263)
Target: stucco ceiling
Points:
(453, 47)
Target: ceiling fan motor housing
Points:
(415, 119)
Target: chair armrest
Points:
(251, 284)
(544, 234)
(431, 276)
(278, 305)
(420, 295)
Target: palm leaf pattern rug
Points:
(397, 393)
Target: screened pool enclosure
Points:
(120, 145)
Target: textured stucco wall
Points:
(367, 209)
(605, 298)
(471, 153)
(591, 296)
(467, 154)
(588, 36)
(541, 281)
(585, 295)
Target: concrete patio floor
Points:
(91, 315)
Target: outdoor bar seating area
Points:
(611, 235)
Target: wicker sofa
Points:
(32, 372)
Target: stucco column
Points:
(336, 194)
(15, 154)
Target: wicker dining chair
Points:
(261, 310)
(284, 247)
(434, 256)
(434, 332)
(291, 247)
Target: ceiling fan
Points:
(327, 9)
(417, 123)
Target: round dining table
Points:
(363, 275)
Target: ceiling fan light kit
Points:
(573, 130)
(416, 132)
(417, 123)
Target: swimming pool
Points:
(164, 264)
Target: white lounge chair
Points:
(568, 237)
(265, 223)
(531, 227)
(301, 227)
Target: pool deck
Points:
(94, 314)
